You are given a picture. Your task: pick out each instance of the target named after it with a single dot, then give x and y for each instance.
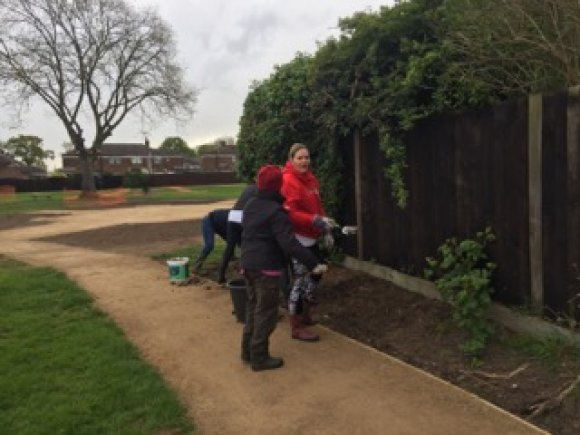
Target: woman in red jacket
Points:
(301, 191)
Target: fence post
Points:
(573, 199)
(358, 194)
(535, 199)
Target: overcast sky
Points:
(224, 45)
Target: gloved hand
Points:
(324, 222)
(320, 269)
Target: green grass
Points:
(34, 201)
(23, 202)
(551, 351)
(66, 368)
(191, 193)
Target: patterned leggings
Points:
(304, 287)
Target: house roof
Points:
(128, 149)
(222, 149)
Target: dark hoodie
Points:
(268, 237)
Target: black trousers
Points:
(261, 314)
(233, 239)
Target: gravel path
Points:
(336, 386)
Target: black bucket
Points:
(239, 297)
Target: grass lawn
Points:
(66, 367)
(61, 200)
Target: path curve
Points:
(336, 386)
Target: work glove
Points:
(324, 222)
(349, 230)
(320, 269)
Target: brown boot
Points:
(306, 319)
(299, 332)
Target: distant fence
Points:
(114, 181)
(514, 168)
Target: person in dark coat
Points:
(268, 242)
(234, 229)
(215, 222)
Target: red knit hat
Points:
(270, 178)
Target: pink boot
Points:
(299, 332)
(306, 319)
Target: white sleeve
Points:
(235, 216)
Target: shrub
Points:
(462, 274)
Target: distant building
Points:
(222, 159)
(12, 168)
(120, 158)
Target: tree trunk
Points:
(88, 188)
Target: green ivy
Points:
(462, 273)
(394, 151)
(386, 72)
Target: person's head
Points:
(269, 178)
(299, 157)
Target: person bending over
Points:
(215, 222)
(234, 229)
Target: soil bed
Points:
(403, 324)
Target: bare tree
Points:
(517, 45)
(97, 58)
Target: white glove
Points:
(320, 269)
(331, 223)
(349, 230)
(324, 222)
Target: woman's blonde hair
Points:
(295, 148)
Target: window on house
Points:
(157, 159)
(136, 160)
(115, 160)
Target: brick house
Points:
(118, 159)
(223, 159)
(11, 168)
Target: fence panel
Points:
(554, 219)
(114, 181)
(573, 206)
(465, 172)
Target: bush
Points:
(463, 276)
(135, 179)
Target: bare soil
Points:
(408, 326)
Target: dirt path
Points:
(335, 386)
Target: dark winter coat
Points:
(268, 237)
(248, 193)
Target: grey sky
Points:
(224, 45)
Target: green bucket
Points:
(178, 269)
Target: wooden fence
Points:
(114, 181)
(514, 167)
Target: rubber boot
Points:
(270, 363)
(306, 319)
(299, 332)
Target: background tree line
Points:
(27, 149)
(179, 145)
(391, 68)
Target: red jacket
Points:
(303, 203)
